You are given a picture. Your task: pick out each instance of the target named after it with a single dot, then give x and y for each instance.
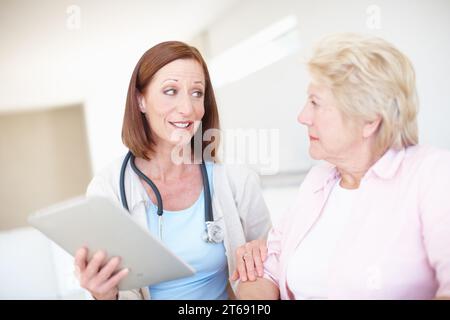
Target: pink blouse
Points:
(396, 246)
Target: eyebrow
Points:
(169, 80)
(314, 96)
(176, 80)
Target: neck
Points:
(161, 166)
(353, 169)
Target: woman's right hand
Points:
(98, 280)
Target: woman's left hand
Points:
(249, 260)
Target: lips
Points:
(312, 138)
(181, 124)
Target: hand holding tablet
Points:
(107, 230)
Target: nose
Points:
(304, 116)
(184, 104)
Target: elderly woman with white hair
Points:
(373, 220)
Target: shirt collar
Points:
(387, 166)
(326, 176)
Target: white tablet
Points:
(100, 224)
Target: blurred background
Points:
(64, 73)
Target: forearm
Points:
(261, 289)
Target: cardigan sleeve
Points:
(435, 217)
(252, 208)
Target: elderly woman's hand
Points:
(98, 277)
(249, 260)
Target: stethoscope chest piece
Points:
(214, 232)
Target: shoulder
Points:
(427, 160)
(107, 178)
(239, 182)
(235, 174)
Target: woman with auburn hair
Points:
(203, 211)
(373, 220)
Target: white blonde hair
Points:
(370, 78)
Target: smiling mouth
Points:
(182, 124)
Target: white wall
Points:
(47, 61)
(272, 97)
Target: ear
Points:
(141, 102)
(370, 127)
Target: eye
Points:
(314, 103)
(170, 92)
(197, 94)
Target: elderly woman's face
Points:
(173, 101)
(331, 136)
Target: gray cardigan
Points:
(237, 201)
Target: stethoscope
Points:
(213, 232)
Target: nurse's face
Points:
(173, 102)
(332, 136)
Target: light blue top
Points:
(182, 233)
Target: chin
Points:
(315, 154)
(181, 142)
(179, 137)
